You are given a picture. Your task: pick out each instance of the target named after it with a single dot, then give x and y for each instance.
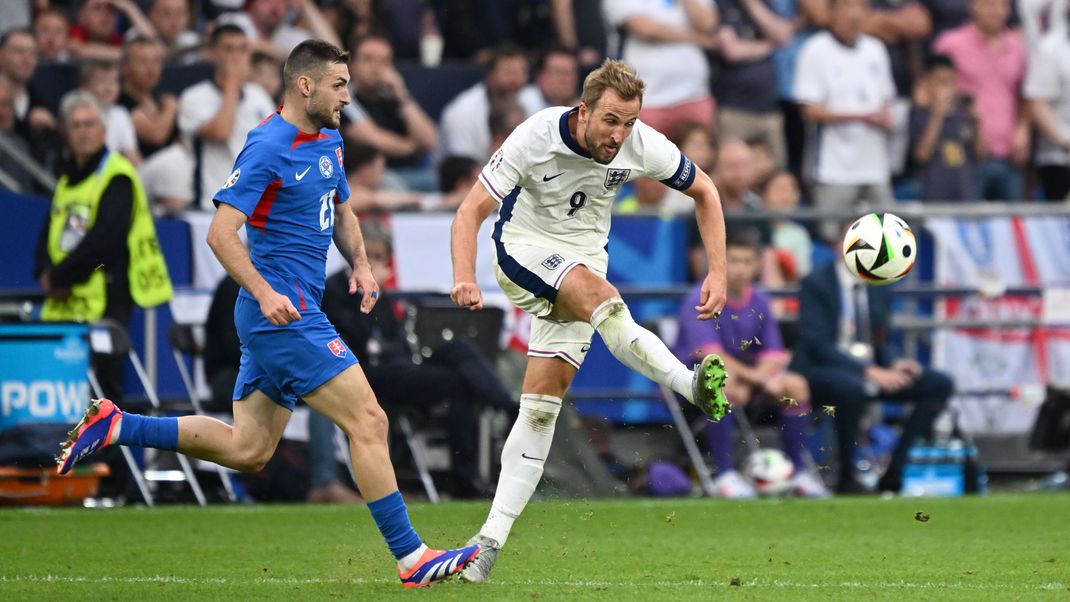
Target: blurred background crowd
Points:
(830, 105)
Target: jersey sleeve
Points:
(508, 165)
(663, 161)
(250, 179)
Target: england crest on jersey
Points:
(616, 177)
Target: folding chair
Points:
(430, 325)
(108, 337)
(184, 345)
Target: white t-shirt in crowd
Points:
(553, 194)
(465, 129)
(121, 137)
(849, 80)
(674, 72)
(1048, 79)
(530, 97)
(214, 161)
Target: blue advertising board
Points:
(43, 373)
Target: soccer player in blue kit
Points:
(289, 189)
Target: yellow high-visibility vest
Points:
(73, 213)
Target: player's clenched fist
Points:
(467, 294)
(278, 309)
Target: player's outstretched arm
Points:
(473, 210)
(350, 243)
(228, 248)
(710, 218)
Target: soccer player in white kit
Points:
(553, 183)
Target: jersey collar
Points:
(566, 136)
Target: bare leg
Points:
(246, 446)
(349, 402)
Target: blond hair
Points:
(616, 75)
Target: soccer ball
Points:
(770, 471)
(879, 248)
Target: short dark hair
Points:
(744, 237)
(507, 50)
(455, 169)
(552, 49)
(309, 58)
(7, 35)
(359, 40)
(138, 40)
(91, 68)
(226, 29)
(262, 57)
(359, 155)
(938, 61)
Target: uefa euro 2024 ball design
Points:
(770, 471)
(879, 248)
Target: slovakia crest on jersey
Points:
(337, 348)
(326, 169)
(616, 177)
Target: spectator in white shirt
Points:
(844, 82)
(1047, 90)
(215, 115)
(465, 126)
(101, 79)
(557, 78)
(666, 43)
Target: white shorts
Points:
(530, 277)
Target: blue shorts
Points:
(286, 362)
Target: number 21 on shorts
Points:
(327, 209)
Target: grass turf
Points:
(1000, 547)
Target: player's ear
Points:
(304, 85)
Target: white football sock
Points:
(638, 348)
(409, 560)
(523, 457)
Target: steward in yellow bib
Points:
(98, 251)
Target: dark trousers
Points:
(1055, 180)
(455, 375)
(846, 391)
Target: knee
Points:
(253, 459)
(368, 424)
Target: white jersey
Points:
(553, 194)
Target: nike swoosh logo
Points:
(585, 349)
(523, 455)
(548, 178)
(302, 174)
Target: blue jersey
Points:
(288, 183)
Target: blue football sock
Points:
(149, 431)
(392, 518)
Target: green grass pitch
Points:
(1001, 547)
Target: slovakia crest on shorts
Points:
(337, 348)
(326, 169)
(616, 177)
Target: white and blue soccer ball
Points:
(879, 248)
(770, 471)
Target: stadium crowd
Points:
(835, 104)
